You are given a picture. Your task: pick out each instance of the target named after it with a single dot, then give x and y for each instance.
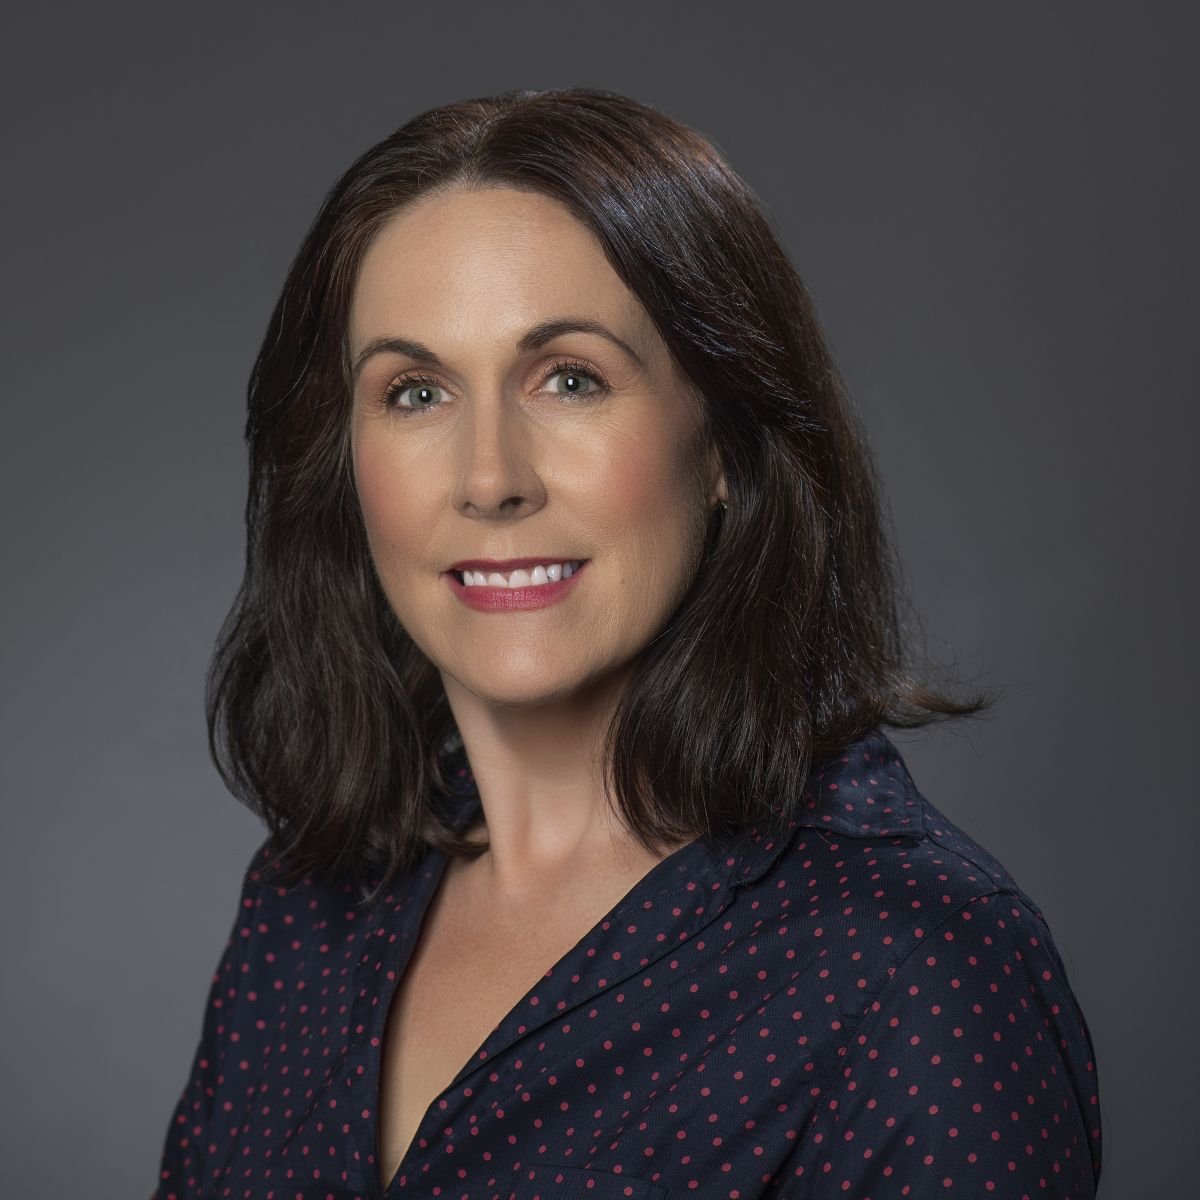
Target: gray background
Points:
(994, 206)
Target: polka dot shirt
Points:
(868, 1007)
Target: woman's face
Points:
(515, 444)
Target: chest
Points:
(467, 971)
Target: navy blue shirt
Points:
(868, 1007)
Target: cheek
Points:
(386, 491)
(649, 493)
(375, 483)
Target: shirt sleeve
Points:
(191, 1132)
(971, 1074)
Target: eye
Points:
(576, 376)
(424, 389)
(578, 379)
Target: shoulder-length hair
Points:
(793, 638)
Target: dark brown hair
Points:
(793, 638)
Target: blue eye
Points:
(426, 390)
(576, 373)
(422, 386)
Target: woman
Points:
(559, 675)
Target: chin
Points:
(525, 681)
(534, 693)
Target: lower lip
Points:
(521, 599)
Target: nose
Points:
(495, 449)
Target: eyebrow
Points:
(532, 339)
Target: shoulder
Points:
(289, 934)
(870, 872)
(864, 821)
(970, 1064)
(950, 1007)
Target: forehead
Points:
(487, 262)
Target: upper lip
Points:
(510, 564)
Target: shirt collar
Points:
(862, 791)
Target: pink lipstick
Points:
(517, 599)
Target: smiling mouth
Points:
(523, 577)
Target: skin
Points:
(503, 460)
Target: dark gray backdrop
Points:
(994, 206)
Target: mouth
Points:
(536, 575)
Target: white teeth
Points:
(548, 573)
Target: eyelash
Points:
(416, 379)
